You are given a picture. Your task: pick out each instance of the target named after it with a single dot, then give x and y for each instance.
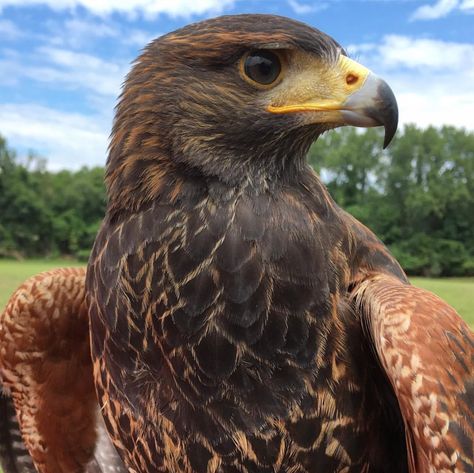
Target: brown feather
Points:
(45, 366)
(427, 353)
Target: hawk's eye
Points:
(262, 67)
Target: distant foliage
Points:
(417, 196)
(44, 213)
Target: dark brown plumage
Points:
(239, 320)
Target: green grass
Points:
(13, 273)
(457, 292)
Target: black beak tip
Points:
(389, 134)
(389, 113)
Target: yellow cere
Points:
(319, 87)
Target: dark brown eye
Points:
(262, 66)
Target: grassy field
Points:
(457, 292)
(13, 273)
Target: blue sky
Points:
(62, 61)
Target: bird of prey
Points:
(240, 321)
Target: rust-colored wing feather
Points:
(45, 366)
(427, 353)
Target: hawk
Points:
(240, 321)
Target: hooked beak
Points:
(356, 97)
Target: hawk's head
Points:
(237, 97)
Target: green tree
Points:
(417, 196)
(26, 221)
(44, 213)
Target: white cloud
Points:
(432, 79)
(8, 30)
(150, 8)
(80, 32)
(397, 51)
(84, 71)
(434, 11)
(77, 27)
(441, 8)
(66, 68)
(440, 106)
(67, 140)
(139, 38)
(304, 8)
(467, 5)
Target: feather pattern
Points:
(427, 353)
(45, 367)
(239, 355)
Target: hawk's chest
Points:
(247, 267)
(223, 317)
(238, 298)
(223, 288)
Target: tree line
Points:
(417, 196)
(44, 213)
